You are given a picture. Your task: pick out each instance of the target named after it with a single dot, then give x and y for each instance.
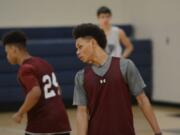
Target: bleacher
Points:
(55, 44)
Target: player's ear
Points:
(15, 49)
(93, 42)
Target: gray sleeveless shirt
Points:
(113, 47)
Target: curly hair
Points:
(90, 30)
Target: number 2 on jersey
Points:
(49, 81)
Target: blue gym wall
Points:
(55, 44)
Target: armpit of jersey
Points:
(27, 77)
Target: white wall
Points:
(55, 12)
(155, 19)
(160, 20)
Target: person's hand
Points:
(17, 117)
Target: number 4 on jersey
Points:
(50, 81)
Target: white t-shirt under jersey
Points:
(113, 47)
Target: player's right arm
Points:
(30, 83)
(82, 120)
(80, 100)
(31, 100)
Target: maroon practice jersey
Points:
(49, 114)
(109, 102)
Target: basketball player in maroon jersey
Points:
(43, 103)
(102, 89)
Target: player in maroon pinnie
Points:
(103, 88)
(43, 103)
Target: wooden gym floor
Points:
(169, 119)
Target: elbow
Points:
(140, 103)
(82, 111)
(37, 97)
(35, 93)
(142, 100)
(131, 48)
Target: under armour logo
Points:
(102, 81)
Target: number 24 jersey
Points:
(49, 114)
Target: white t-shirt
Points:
(113, 47)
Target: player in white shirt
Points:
(114, 35)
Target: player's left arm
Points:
(148, 112)
(136, 86)
(126, 43)
(31, 100)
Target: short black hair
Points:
(104, 10)
(17, 38)
(90, 30)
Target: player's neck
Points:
(23, 56)
(100, 57)
(106, 29)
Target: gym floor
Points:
(168, 117)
